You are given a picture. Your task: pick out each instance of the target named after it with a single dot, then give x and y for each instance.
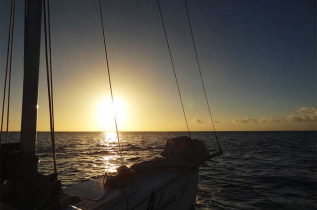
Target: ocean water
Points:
(258, 170)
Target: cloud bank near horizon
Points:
(302, 114)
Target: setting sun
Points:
(106, 111)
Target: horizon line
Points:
(171, 131)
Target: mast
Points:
(25, 188)
(32, 42)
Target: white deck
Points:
(169, 190)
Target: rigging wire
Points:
(50, 60)
(201, 77)
(8, 69)
(49, 76)
(174, 71)
(109, 77)
(51, 82)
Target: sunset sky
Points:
(258, 60)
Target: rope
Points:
(201, 77)
(66, 202)
(109, 77)
(8, 69)
(49, 76)
(172, 62)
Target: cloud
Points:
(269, 120)
(203, 121)
(308, 110)
(304, 114)
(245, 120)
(199, 121)
(301, 118)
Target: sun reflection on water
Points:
(110, 141)
(110, 167)
(110, 137)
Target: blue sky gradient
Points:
(258, 60)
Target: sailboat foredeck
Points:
(156, 191)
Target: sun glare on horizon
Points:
(106, 111)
